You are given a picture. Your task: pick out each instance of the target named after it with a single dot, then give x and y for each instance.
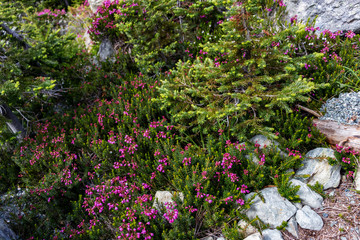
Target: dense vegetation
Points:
(190, 82)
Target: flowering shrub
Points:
(92, 171)
(132, 24)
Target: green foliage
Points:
(132, 24)
(239, 80)
(282, 226)
(103, 140)
(285, 187)
(318, 188)
(296, 131)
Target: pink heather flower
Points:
(346, 160)
(350, 34)
(293, 20)
(350, 174)
(240, 201)
(160, 168)
(187, 161)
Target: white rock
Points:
(264, 141)
(309, 219)
(162, 197)
(246, 229)
(298, 205)
(255, 236)
(106, 51)
(307, 196)
(272, 234)
(94, 4)
(274, 210)
(317, 166)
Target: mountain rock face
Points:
(333, 15)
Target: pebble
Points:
(325, 215)
(333, 223)
(332, 193)
(343, 238)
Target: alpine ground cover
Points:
(171, 113)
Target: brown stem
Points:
(309, 111)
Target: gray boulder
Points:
(317, 166)
(309, 219)
(272, 234)
(274, 210)
(307, 196)
(333, 15)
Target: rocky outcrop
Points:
(333, 15)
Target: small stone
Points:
(352, 202)
(325, 215)
(255, 236)
(343, 238)
(292, 227)
(272, 234)
(333, 223)
(246, 229)
(207, 238)
(332, 193)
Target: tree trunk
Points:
(340, 134)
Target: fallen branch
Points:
(15, 35)
(309, 111)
